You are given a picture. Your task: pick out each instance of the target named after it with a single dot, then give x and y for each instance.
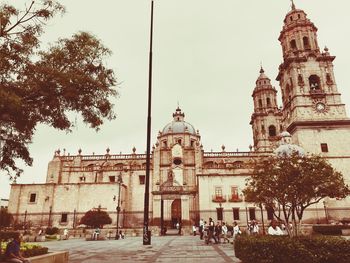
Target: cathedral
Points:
(186, 182)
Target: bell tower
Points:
(312, 108)
(266, 119)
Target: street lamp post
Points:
(146, 232)
(25, 221)
(120, 181)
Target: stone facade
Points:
(187, 183)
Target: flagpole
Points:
(146, 232)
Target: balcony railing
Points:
(218, 198)
(235, 198)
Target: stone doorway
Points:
(176, 212)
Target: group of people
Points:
(217, 232)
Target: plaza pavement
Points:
(163, 249)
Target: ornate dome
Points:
(178, 125)
(286, 148)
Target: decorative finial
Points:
(223, 148)
(134, 150)
(261, 68)
(293, 5)
(108, 150)
(79, 151)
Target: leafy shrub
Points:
(96, 218)
(34, 251)
(329, 229)
(51, 237)
(28, 250)
(52, 230)
(6, 218)
(281, 249)
(8, 235)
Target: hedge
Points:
(51, 230)
(282, 249)
(329, 229)
(8, 235)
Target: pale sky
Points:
(207, 56)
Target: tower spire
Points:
(261, 68)
(293, 5)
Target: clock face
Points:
(320, 107)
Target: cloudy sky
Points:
(207, 55)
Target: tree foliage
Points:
(96, 218)
(6, 218)
(290, 184)
(40, 85)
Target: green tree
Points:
(46, 86)
(96, 218)
(290, 184)
(6, 218)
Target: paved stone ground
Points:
(163, 249)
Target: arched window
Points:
(306, 43)
(272, 131)
(268, 102)
(314, 81)
(293, 44)
(260, 103)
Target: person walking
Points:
(218, 232)
(236, 231)
(211, 231)
(194, 230)
(201, 228)
(224, 232)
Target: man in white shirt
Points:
(274, 230)
(236, 230)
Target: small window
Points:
(32, 198)
(314, 81)
(82, 178)
(272, 131)
(293, 44)
(263, 128)
(234, 193)
(269, 213)
(165, 145)
(142, 179)
(291, 18)
(268, 102)
(306, 43)
(192, 143)
(252, 213)
(219, 213)
(281, 128)
(177, 161)
(179, 141)
(235, 213)
(111, 179)
(260, 103)
(324, 147)
(299, 16)
(218, 191)
(64, 218)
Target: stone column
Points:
(185, 209)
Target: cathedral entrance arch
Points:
(176, 212)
